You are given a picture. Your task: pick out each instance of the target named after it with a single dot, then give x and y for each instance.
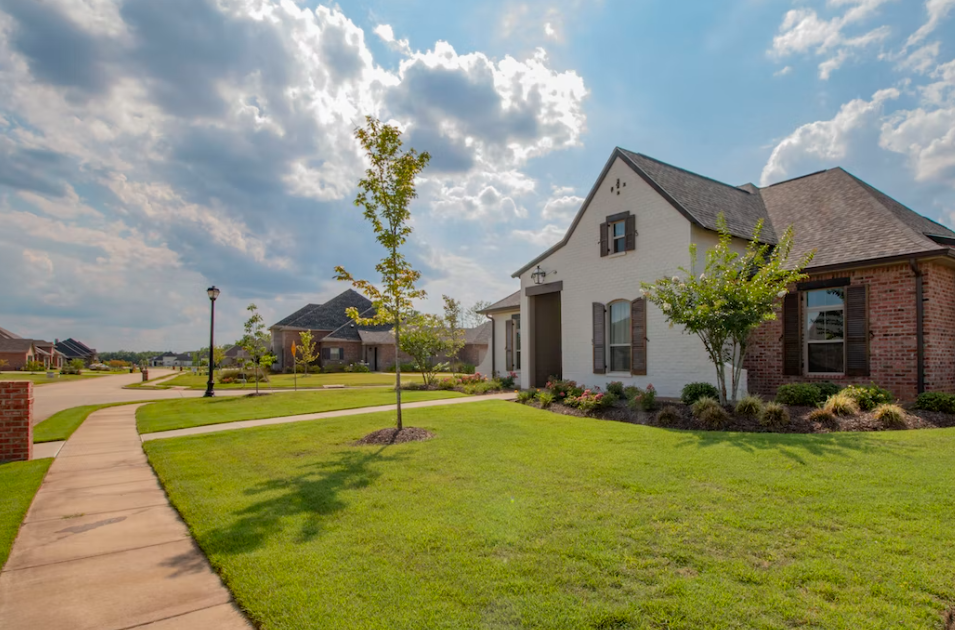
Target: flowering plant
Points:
(590, 400)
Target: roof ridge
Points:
(869, 188)
(689, 172)
(792, 179)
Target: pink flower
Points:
(562, 394)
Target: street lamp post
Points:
(213, 293)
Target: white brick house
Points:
(582, 319)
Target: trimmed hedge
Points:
(936, 401)
(799, 394)
(692, 392)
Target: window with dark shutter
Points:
(631, 233)
(604, 239)
(326, 354)
(857, 330)
(600, 339)
(638, 337)
(509, 345)
(792, 349)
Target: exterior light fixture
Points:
(538, 275)
(213, 293)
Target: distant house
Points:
(167, 359)
(73, 349)
(342, 341)
(236, 355)
(17, 351)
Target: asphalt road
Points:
(49, 399)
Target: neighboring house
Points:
(505, 335)
(349, 342)
(183, 359)
(879, 304)
(236, 355)
(17, 352)
(73, 349)
(6, 334)
(167, 359)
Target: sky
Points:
(151, 149)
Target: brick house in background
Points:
(879, 304)
(17, 352)
(341, 341)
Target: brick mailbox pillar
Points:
(16, 420)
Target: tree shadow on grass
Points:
(794, 446)
(314, 493)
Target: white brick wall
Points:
(662, 246)
(500, 356)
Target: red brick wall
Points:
(282, 344)
(16, 415)
(892, 326)
(15, 360)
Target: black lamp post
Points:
(213, 293)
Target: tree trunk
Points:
(398, 371)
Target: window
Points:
(620, 337)
(825, 331)
(516, 342)
(336, 354)
(618, 235)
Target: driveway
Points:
(49, 399)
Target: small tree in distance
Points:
(455, 333)
(256, 343)
(424, 338)
(307, 352)
(731, 298)
(385, 193)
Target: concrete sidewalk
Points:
(247, 424)
(102, 548)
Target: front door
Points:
(547, 351)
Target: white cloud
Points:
(937, 11)
(542, 238)
(561, 207)
(825, 140)
(783, 71)
(387, 35)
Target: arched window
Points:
(619, 337)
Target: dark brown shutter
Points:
(792, 348)
(600, 339)
(604, 238)
(509, 344)
(631, 233)
(638, 337)
(857, 330)
(326, 354)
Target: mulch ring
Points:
(394, 436)
(799, 419)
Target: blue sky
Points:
(149, 149)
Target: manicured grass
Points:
(286, 381)
(515, 517)
(19, 482)
(194, 412)
(41, 379)
(62, 424)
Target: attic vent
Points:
(617, 187)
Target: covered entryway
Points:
(545, 309)
(371, 357)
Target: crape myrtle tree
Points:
(256, 343)
(733, 295)
(424, 337)
(306, 351)
(385, 193)
(455, 333)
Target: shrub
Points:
(35, 366)
(507, 382)
(495, 385)
(414, 386)
(891, 416)
(936, 401)
(234, 375)
(669, 416)
(546, 399)
(447, 383)
(826, 389)
(405, 367)
(702, 404)
(525, 396)
(562, 390)
(842, 405)
(478, 387)
(774, 415)
(615, 388)
(822, 416)
(799, 394)
(868, 397)
(749, 406)
(466, 368)
(589, 400)
(630, 391)
(714, 417)
(694, 391)
(357, 367)
(644, 399)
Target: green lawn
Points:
(19, 481)
(286, 381)
(193, 412)
(515, 517)
(40, 377)
(62, 424)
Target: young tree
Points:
(424, 338)
(3, 363)
(218, 356)
(733, 295)
(472, 316)
(455, 340)
(385, 193)
(256, 343)
(307, 350)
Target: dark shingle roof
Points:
(349, 331)
(845, 220)
(704, 198)
(479, 335)
(6, 334)
(15, 345)
(71, 348)
(509, 303)
(328, 316)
